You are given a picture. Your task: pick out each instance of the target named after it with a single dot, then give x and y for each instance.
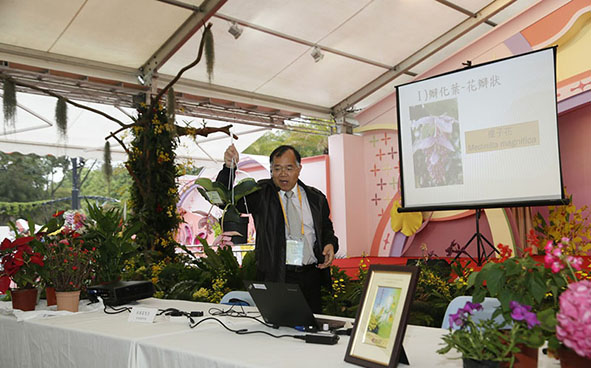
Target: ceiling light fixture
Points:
(317, 54)
(235, 30)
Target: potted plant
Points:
(112, 238)
(573, 318)
(69, 262)
(482, 343)
(22, 264)
(227, 199)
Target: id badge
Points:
(294, 252)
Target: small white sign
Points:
(139, 314)
(214, 197)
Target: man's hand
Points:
(328, 254)
(231, 157)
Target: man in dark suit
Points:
(295, 240)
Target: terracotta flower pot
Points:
(570, 359)
(68, 300)
(527, 358)
(50, 295)
(24, 299)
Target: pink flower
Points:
(575, 262)
(549, 246)
(556, 266)
(574, 318)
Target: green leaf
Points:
(537, 286)
(494, 282)
(244, 188)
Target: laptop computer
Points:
(283, 304)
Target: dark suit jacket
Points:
(268, 217)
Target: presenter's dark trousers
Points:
(309, 279)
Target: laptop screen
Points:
(281, 304)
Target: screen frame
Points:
(502, 203)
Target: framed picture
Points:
(376, 340)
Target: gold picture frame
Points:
(376, 339)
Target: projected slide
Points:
(481, 136)
(436, 147)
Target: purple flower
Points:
(470, 307)
(460, 317)
(521, 312)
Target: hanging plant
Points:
(9, 101)
(209, 52)
(61, 117)
(107, 167)
(170, 105)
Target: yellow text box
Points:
(503, 137)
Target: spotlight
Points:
(317, 54)
(235, 30)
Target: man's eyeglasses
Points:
(278, 169)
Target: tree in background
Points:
(306, 143)
(29, 184)
(25, 178)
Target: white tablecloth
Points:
(96, 339)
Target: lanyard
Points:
(301, 209)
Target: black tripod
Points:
(482, 255)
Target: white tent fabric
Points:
(369, 46)
(35, 132)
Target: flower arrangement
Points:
(481, 341)
(22, 263)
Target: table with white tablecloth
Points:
(96, 339)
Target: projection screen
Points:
(481, 137)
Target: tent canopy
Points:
(94, 51)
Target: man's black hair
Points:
(279, 151)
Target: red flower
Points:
(18, 258)
(74, 268)
(532, 239)
(6, 244)
(4, 283)
(57, 214)
(158, 208)
(37, 259)
(65, 261)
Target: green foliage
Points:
(218, 194)
(111, 236)
(480, 341)
(61, 117)
(9, 103)
(526, 281)
(154, 193)
(344, 295)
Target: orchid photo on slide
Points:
(436, 146)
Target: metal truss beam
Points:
(453, 34)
